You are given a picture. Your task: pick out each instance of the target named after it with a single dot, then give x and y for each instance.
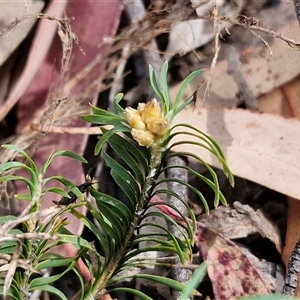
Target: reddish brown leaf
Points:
(230, 271)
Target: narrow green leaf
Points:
(9, 248)
(65, 153)
(141, 154)
(76, 241)
(103, 120)
(117, 107)
(213, 147)
(154, 84)
(25, 197)
(53, 263)
(118, 97)
(125, 181)
(134, 292)
(147, 237)
(196, 191)
(13, 293)
(131, 162)
(194, 282)
(37, 283)
(181, 248)
(91, 226)
(183, 87)
(30, 185)
(47, 163)
(4, 219)
(70, 185)
(107, 135)
(214, 185)
(21, 151)
(13, 164)
(111, 237)
(163, 280)
(184, 104)
(191, 228)
(80, 279)
(58, 191)
(121, 209)
(173, 244)
(104, 112)
(10, 165)
(114, 222)
(53, 290)
(164, 87)
(208, 144)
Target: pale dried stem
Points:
(12, 268)
(290, 42)
(67, 38)
(216, 52)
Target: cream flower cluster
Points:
(147, 123)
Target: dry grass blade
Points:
(48, 212)
(12, 268)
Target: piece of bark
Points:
(176, 172)
(240, 221)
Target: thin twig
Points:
(216, 53)
(249, 25)
(236, 71)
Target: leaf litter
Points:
(161, 25)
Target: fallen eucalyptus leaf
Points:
(260, 147)
(230, 271)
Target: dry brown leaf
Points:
(230, 271)
(260, 147)
(188, 35)
(285, 101)
(263, 72)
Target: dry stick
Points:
(214, 12)
(236, 71)
(248, 25)
(181, 275)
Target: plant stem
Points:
(155, 162)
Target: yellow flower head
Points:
(147, 123)
(143, 137)
(134, 119)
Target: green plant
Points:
(25, 252)
(143, 139)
